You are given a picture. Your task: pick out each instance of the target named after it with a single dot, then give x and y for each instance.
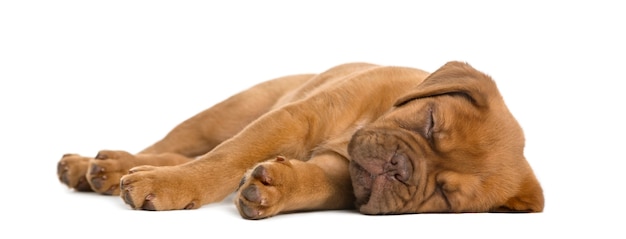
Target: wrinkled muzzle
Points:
(382, 170)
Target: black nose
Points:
(399, 168)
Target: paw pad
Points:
(260, 173)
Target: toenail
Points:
(190, 205)
(128, 200)
(124, 186)
(150, 197)
(241, 183)
(148, 205)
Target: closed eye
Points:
(423, 125)
(430, 124)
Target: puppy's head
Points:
(451, 145)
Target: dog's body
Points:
(387, 140)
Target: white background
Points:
(80, 76)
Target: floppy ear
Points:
(455, 78)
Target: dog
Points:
(377, 139)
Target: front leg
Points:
(216, 174)
(282, 185)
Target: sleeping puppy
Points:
(381, 139)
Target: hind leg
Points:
(71, 171)
(193, 137)
(202, 132)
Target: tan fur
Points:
(384, 139)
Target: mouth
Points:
(382, 193)
(362, 182)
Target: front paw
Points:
(261, 193)
(158, 189)
(71, 171)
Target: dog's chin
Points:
(362, 182)
(375, 194)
